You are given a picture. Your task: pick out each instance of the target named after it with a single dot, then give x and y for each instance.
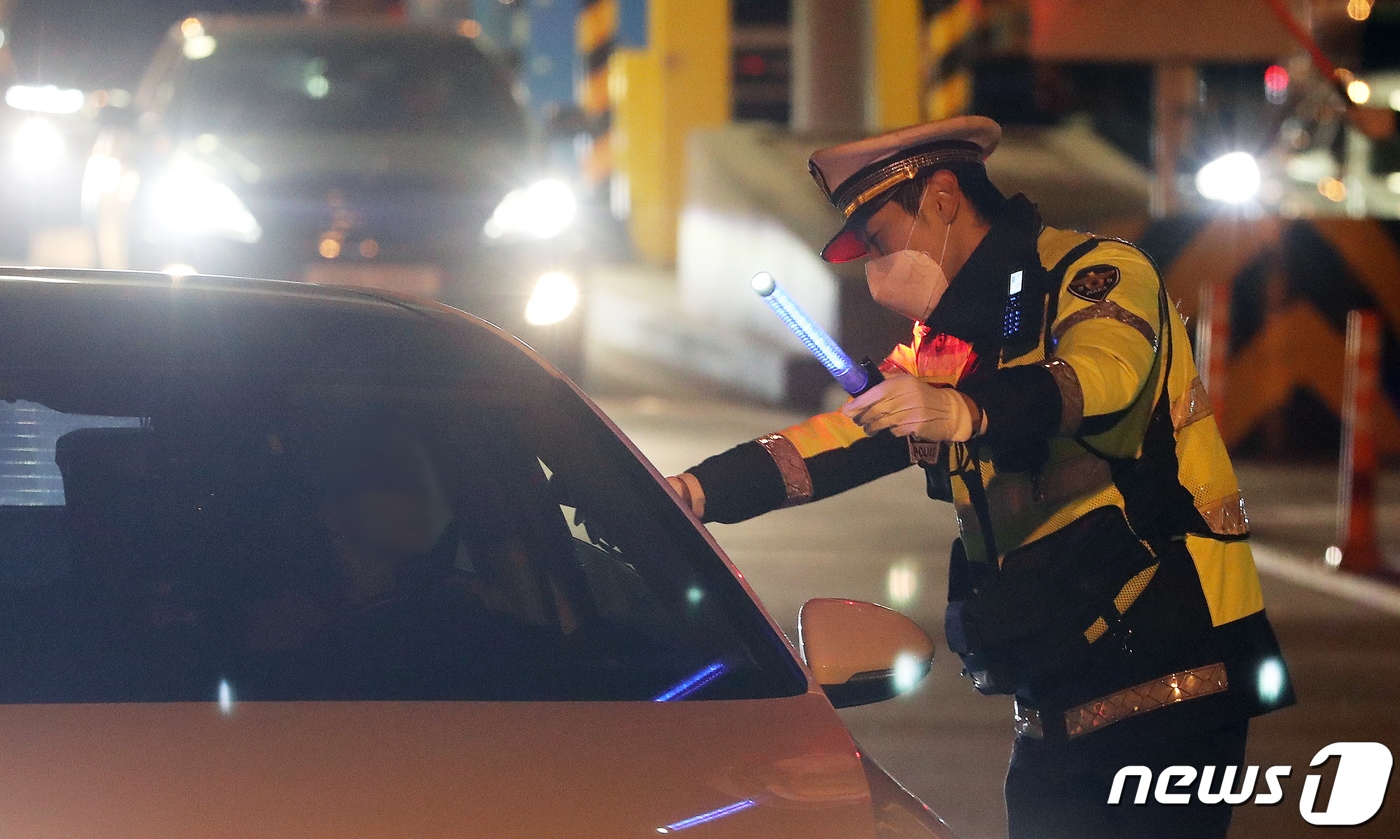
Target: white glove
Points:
(909, 407)
(687, 486)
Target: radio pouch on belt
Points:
(1029, 618)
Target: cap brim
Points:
(845, 247)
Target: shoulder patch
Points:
(1095, 282)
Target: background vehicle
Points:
(341, 150)
(362, 563)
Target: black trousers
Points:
(1061, 789)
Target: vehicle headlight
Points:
(48, 99)
(554, 299)
(37, 146)
(193, 202)
(542, 211)
(1233, 178)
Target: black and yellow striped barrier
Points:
(950, 38)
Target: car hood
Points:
(436, 158)
(770, 768)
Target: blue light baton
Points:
(854, 378)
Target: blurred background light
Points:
(199, 47)
(554, 299)
(46, 99)
(1270, 680)
(542, 210)
(1332, 189)
(37, 146)
(902, 583)
(1232, 178)
(1276, 84)
(1359, 92)
(1358, 9)
(188, 201)
(908, 670)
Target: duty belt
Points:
(1129, 702)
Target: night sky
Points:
(99, 43)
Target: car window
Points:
(343, 541)
(323, 83)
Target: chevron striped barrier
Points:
(1327, 267)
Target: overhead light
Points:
(542, 210)
(46, 99)
(187, 200)
(1232, 178)
(554, 299)
(1359, 92)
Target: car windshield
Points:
(205, 535)
(322, 82)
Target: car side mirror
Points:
(861, 652)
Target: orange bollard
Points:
(1213, 344)
(1356, 509)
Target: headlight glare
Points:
(1233, 178)
(193, 202)
(553, 300)
(541, 211)
(37, 146)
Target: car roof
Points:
(110, 323)
(294, 26)
(199, 283)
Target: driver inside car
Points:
(381, 514)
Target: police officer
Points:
(1102, 575)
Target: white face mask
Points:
(908, 282)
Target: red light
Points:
(1275, 79)
(752, 65)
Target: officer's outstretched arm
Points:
(816, 458)
(1105, 343)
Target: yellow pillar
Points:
(680, 82)
(896, 64)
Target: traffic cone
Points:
(1356, 508)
